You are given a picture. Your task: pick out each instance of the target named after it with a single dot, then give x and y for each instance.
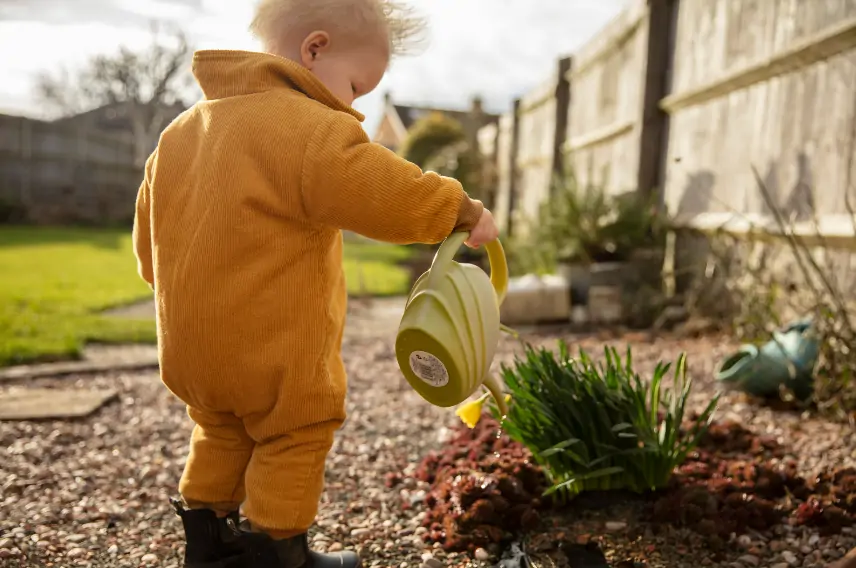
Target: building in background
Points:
(397, 120)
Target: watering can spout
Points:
(494, 386)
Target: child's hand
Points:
(484, 232)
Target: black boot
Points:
(294, 553)
(215, 542)
(226, 542)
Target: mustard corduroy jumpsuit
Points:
(237, 230)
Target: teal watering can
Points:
(786, 360)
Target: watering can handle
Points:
(495, 254)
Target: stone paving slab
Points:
(40, 404)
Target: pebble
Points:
(744, 541)
(335, 547)
(790, 558)
(358, 533)
(76, 553)
(482, 555)
(749, 559)
(149, 559)
(780, 565)
(615, 526)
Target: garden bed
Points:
(739, 493)
(93, 492)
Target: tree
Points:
(148, 83)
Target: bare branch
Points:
(801, 251)
(144, 82)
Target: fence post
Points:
(659, 55)
(26, 152)
(563, 109)
(515, 147)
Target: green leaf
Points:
(593, 475)
(558, 448)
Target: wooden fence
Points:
(58, 174)
(686, 97)
(770, 86)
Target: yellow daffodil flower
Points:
(471, 412)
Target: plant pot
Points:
(605, 305)
(610, 274)
(578, 276)
(647, 267)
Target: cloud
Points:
(120, 13)
(498, 49)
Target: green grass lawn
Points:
(54, 281)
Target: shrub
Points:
(587, 224)
(429, 136)
(11, 211)
(600, 426)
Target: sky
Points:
(498, 49)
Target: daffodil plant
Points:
(598, 425)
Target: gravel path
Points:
(94, 492)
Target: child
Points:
(238, 231)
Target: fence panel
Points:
(607, 89)
(58, 174)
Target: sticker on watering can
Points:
(429, 368)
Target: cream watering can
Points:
(450, 328)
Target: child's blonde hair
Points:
(276, 18)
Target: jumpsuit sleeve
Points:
(354, 184)
(142, 233)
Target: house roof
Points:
(409, 114)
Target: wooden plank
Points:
(601, 136)
(543, 161)
(830, 231)
(538, 96)
(610, 39)
(823, 45)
